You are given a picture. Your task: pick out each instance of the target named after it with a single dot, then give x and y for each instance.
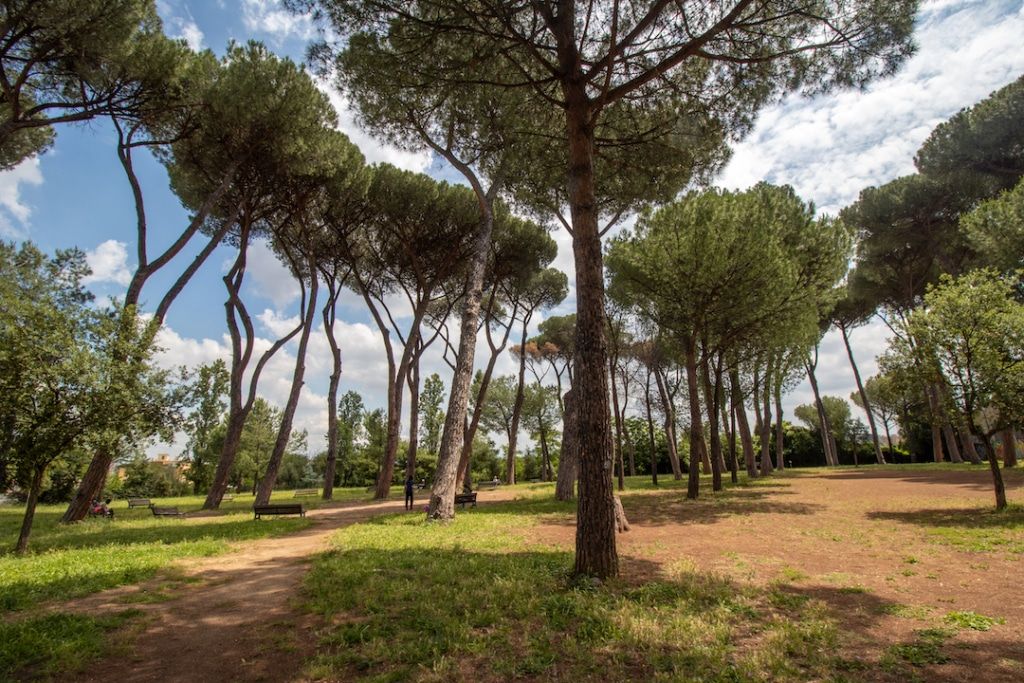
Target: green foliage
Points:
(431, 415)
(71, 60)
(148, 479)
(996, 230)
(208, 390)
(971, 620)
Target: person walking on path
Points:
(408, 492)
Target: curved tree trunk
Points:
(831, 457)
(997, 475)
(442, 496)
(670, 436)
(618, 421)
(332, 392)
(30, 508)
(742, 422)
(863, 395)
(968, 441)
(780, 432)
(284, 431)
(517, 409)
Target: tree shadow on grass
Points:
(459, 614)
(1012, 518)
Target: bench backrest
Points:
(165, 511)
(285, 507)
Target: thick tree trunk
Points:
(30, 509)
(650, 432)
(284, 431)
(729, 417)
(91, 486)
(863, 396)
(937, 443)
(696, 426)
(1009, 439)
(950, 437)
(442, 497)
(568, 463)
(670, 436)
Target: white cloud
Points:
(831, 147)
(11, 203)
(109, 263)
(374, 150)
(193, 36)
(268, 16)
(269, 277)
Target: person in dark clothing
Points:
(408, 493)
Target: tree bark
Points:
(414, 418)
(766, 424)
(993, 464)
(618, 421)
(670, 437)
(831, 458)
(742, 422)
(1009, 439)
(517, 408)
(442, 496)
(284, 431)
(596, 553)
(332, 391)
(711, 407)
(968, 441)
(650, 432)
(30, 509)
(780, 432)
(863, 395)
(696, 426)
(568, 463)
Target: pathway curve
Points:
(234, 617)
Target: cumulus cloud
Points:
(109, 263)
(14, 212)
(830, 147)
(179, 23)
(372, 148)
(268, 16)
(268, 277)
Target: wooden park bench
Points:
(279, 509)
(299, 493)
(139, 503)
(166, 512)
(488, 484)
(463, 498)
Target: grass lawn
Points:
(483, 599)
(69, 561)
(407, 600)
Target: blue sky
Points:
(828, 148)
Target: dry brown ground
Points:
(856, 540)
(860, 542)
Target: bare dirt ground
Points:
(234, 617)
(864, 543)
(861, 542)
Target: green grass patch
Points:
(972, 620)
(927, 649)
(402, 599)
(55, 644)
(67, 561)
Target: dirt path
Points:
(234, 617)
(874, 546)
